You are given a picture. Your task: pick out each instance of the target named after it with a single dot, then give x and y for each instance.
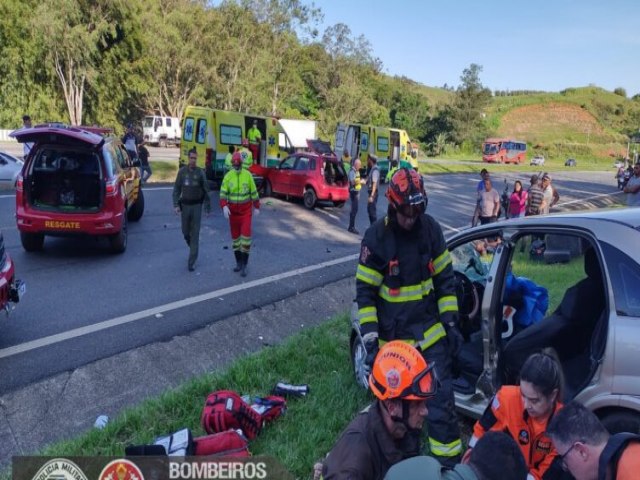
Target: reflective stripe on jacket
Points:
(238, 190)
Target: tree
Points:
(74, 34)
(471, 99)
(620, 91)
(182, 55)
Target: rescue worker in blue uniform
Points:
(406, 291)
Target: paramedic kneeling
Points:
(390, 429)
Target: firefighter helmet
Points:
(406, 188)
(400, 371)
(236, 159)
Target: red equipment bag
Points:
(224, 444)
(226, 410)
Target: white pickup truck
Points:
(161, 131)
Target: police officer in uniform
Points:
(190, 193)
(405, 290)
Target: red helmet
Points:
(400, 371)
(406, 188)
(245, 142)
(236, 159)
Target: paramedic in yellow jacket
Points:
(239, 200)
(254, 136)
(245, 153)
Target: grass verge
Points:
(318, 357)
(163, 171)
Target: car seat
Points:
(568, 330)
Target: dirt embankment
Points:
(550, 123)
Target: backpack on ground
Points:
(225, 409)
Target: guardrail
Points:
(4, 135)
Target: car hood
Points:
(58, 135)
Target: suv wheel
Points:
(118, 240)
(268, 190)
(310, 198)
(32, 242)
(358, 356)
(136, 211)
(162, 143)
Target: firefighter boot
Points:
(245, 260)
(238, 255)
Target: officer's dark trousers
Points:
(191, 218)
(355, 199)
(442, 422)
(372, 208)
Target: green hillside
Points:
(586, 123)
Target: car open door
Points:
(341, 139)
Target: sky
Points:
(520, 45)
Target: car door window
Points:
(625, 279)
(302, 164)
(287, 163)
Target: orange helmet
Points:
(400, 371)
(236, 159)
(406, 188)
(245, 142)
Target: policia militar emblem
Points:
(60, 469)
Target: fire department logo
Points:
(121, 470)
(523, 437)
(393, 378)
(364, 253)
(60, 469)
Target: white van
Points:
(161, 131)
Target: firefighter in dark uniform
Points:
(190, 193)
(390, 429)
(406, 291)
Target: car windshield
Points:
(490, 148)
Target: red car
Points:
(11, 289)
(76, 182)
(314, 175)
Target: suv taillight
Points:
(19, 183)
(111, 188)
(207, 158)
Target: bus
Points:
(504, 150)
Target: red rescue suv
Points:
(11, 289)
(314, 175)
(76, 181)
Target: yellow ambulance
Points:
(213, 131)
(385, 143)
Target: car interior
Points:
(65, 179)
(552, 297)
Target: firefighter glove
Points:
(371, 346)
(455, 338)
(226, 212)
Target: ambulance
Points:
(385, 143)
(212, 132)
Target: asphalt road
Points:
(83, 303)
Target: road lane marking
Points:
(150, 312)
